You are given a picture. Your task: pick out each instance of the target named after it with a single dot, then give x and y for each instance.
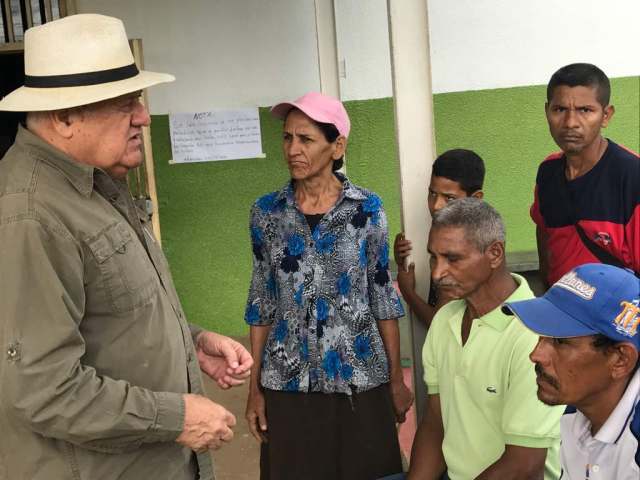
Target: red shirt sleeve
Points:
(536, 216)
(632, 239)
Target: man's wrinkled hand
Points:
(223, 359)
(207, 425)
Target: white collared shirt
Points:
(614, 452)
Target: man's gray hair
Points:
(482, 223)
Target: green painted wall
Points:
(204, 206)
(507, 128)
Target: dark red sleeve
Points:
(632, 238)
(534, 211)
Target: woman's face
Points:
(307, 151)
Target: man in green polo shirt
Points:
(483, 418)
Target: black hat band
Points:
(81, 79)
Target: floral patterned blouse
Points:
(322, 291)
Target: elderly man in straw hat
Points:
(99, 371)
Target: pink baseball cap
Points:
(318, 107)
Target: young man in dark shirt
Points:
(456, 174)
(586, 195)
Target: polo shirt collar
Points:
(496, 319)
(613, 428)
(79, 174)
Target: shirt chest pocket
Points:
(127, 275)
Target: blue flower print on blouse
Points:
(370, 208)
(382, 273)
(322, 313)
(362, 347)
(252, 315)
(272, 286)
(257, 236)
(316, 234)
(267, 202)
(281, 330)
(372, 204)
(359, 219)
(326, 243)
(292, 385)
(344, 284)
(257, 239)
(320, 291)
(304, 349)
(363, 253)
(298, 295)
(346, 372)
(295, 244)
(292, 254)
(331, 364)
(383, 258)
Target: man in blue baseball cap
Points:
(587, 357)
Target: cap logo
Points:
(628, 319)
(575, 284)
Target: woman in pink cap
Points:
(323, 313)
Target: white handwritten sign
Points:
(215, 135)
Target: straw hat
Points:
(77, 60)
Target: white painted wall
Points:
(480, 44)
(228, 53)
(483, 44)
(224, 53)
(363, 49)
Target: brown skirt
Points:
(330, 436)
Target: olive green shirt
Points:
(95, 351)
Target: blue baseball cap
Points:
(591, 299)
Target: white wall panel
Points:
(224, 53)
(362, 33)
(481, 44)
(228, 53)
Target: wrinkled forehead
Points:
(450, 239)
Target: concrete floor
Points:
(240, 459)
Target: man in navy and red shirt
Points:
(593, 184)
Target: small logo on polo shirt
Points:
(575, 284)
(602, 237)
(628, 319)
(492, 389)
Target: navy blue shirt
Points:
(323, 291)
(605, 201)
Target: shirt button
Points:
(596, 468)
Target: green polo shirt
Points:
(487, 389)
